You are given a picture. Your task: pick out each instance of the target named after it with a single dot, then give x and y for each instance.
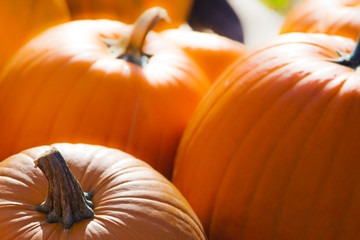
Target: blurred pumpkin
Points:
(126, 198)
(20, 20)
(212, 52)
(70, 84)
(272, 151)
(127, 11)
(335, 17)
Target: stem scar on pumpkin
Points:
(130, 47)
(351, 60)
(66, 203)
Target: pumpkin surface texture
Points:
(335, 17)
(124, 197)
(212, 52)
(127, 11)
(74, 83)
(20, 20)
(272, 151)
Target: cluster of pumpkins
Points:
(129, 128)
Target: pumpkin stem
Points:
(66, 203)
(130, 48)
(351, 60)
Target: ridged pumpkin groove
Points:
(334, 17)
(272, 150)
(129, 199)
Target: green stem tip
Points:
(351, 60)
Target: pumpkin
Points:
(335, 17)
(128, 11)
(20, 20)
(124, 197)
(78, 83)
(272, 151)
(212, 52)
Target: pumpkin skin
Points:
(212, 52)
(131, 199)
(334, 17)
(20, 20)
(127, 11)
(272, 150)
(65, 86)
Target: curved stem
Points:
(66, 203)
(130, 47)
(133, 47)
(351, 60)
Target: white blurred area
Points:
(259, 22)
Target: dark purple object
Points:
(217, 16)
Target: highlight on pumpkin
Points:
(335, 17)
(91, 96)
(274, 169)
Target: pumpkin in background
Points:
(335, 17)
(20, 20)
(70, 84)
(124, 197)
(127, 11)
(272, 151)
(212, 52)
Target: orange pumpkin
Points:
(127, 11)
(335, 17)
(20, 20)
(272, 151)
(68, 85)
(212, 52)
(125, 199)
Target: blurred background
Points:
(259, 21)
(248, 21)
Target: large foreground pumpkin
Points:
(335, 17)
(125, 198)
(20, 20)
(127, 11)
(68, 85)
(272, 151)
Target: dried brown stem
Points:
(66, 203)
